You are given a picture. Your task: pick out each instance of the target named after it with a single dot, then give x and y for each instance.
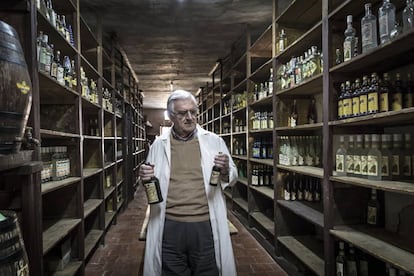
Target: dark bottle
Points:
(215, 175)
(355, 98)
(317, 190)
(363, 96)
(373, 209)
(341, 261)
(287, 188)
(312, 114)
(152, 189)
(341, 101)
(398, 93)
(409, 92)
(347, 101)
(373, 92)
(351, 262)
(293, 118)
(385, 93)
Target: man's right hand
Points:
(146, 171)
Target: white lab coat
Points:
(159, 154)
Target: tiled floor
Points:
(122, 254)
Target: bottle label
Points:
(384, 103)
(151, 191)
(340, 109)
(396, 101)
(372, 165)
(367, 35)
(363, 104)
(373, 102)
(340, 162)
(287, 195)
(357, 164)
(407, 170)
(385, 166)
(396, 165)
(347, 107)
(255, 180)
(340, 269)
(355, 106)
(372, 215)
(383, 26)
(215, 178)
(349, 163)
(348, 50)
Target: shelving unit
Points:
(76, 211)
(304, 234)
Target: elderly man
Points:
(188, 233)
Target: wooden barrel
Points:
(15, 90)
(13, 257)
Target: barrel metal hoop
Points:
(18, 254)
(12, 56)
(6, 28)
(8, 242)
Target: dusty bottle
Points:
(215, 175)
(152, 189)
(369, 30)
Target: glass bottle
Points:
(287, 187)
(347, 100)
(74, 75)
(338, 56)
(153, 190)
(409, 92)
(363, 267)
(373, 92)
(60, 70)
(282, 40)
(369, 30)
(350, 156)
(398, 93)
(355, 98)
(374, 158)
(341, 102)
(363, 96)
(349, 42)
(407, 159)
(293, 118)
(351, 263)
(386, 20)
(270, 82)
(364, 156)
(67, 72)
(385, 93)
(385, 156)
(359, 148)
(341, 260)
(340, 157)
(373, 209)
(408, 16)
(312, 114)
(397, 153)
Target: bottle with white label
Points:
(374, 158)
(386, 20)
(341, 261)
(341, 157)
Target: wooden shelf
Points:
(242, 180)
(308, 87)
(91, 240)
(390, 186)
(56, 185)
(299, 128)
(310, 214)
(71, 269)
(299, 246)
(305, 170)
(262, 47)
(379, 244)
(264, 221)
(46, 133)
(88, 172)
(264, 190)
(268, 162)
(91, 205)
(109, 217)
(241, 203)
(108, 192)
(55, 231)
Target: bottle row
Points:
(56, 163)
(300, 187)
(264, 89)
(388, 29)
(375, 95)
(57, 21)
(300, 150)
(375, 156)
(299, 69)
(262, 120)
(262, 148)
(311, 117)
(262, 175)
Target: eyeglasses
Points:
(182, 114)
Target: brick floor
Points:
(122, 254)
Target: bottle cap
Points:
(349, 19)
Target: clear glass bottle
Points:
(350, 156)
(369, 30)
(407, 165)
(359, 148)
(364, 156)
(374, 158)
(293, 117)
(282, 40)
(397, 153)
(341, 260)
(349, 42)
(351, 262)
(386, 157)
(408, 16)
(340, 157)
(386, 20)
(270, 83)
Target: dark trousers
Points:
(188, 249)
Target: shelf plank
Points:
(109, 217)
(378, 244)
(87, 172)
(91, 240)
(55, 185)
(263, 130)
(55, 231)
(264, 190)
(304, 211)
(241, 157)
(390, 186)
(264, 221)
(305, 170)
(46, 133)
(242, 180)
(107, 165)
(71, 269)
(268, 162)
(391, 118)
(299, 247)
(90, 205)
(241, 203)
(287, 129)
(227, 193)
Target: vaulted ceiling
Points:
(176, 41)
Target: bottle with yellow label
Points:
(363, 96)
(373, 106)
(398, 92)
(385, 93)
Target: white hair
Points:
(178, 95)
